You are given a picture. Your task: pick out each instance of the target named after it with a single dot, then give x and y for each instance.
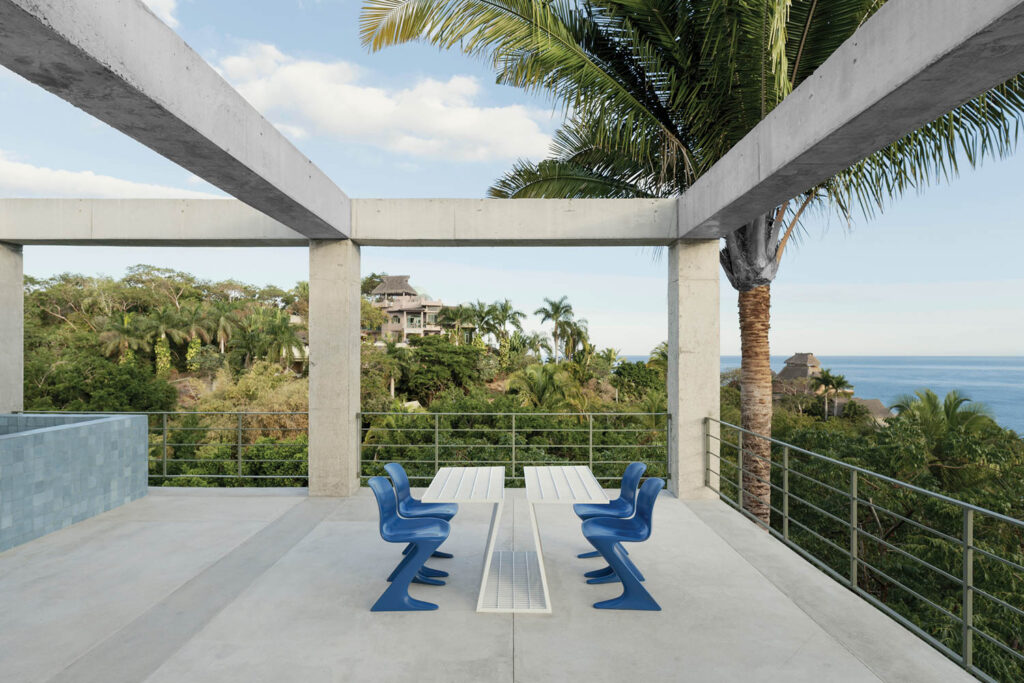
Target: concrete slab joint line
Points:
(143, 645)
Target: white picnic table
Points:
(514, 580)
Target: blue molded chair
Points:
(607, 534)
(412, 508)
(424, 535)
(621, 507)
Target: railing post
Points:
(967, 609)
(437, 441)
(854, 524)
(513, 445)
(739, 468)
(590, 441)
(240, 444)
(785, 492)
(165, 442)
(707, 449)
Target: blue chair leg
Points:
(427, 571)
(424, 573)
(611, 577)
(396, 598)
(594, 553)
(605, 571)
(437, 553)
(634, 595)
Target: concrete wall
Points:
(12, 327)
(129, 222)
(334, 366)
(58, 470)
(693, 362)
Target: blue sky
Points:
(937, 274)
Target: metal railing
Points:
(840, 517)
(249, 448)
(270, 448)
(424, 442)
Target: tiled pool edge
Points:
(59, 470)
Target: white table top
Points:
(466, 485)
(563, 484)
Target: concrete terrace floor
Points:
(269, 585)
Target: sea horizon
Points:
(995, 381)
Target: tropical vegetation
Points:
(657, 92)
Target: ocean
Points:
(996, 381)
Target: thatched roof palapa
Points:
(394, 285)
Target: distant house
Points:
(800, 366)
(878, 410)
(406, 312)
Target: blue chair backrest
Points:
(645, 501)
(631, 481)
(401, 480)
(384, 492)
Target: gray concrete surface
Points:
(134, 222)
(334, 367)
(12, 328)
(694, 382)
(188, 585)
(515, 223)
(910, 63)
(117, 61)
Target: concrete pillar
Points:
(12, 328)
(693, 362)
(333, 367)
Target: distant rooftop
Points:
(801, 366)
(395, 285)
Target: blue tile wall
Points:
(56, 470)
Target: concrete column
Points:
(693, 362)
(12, 328)
(333, 368)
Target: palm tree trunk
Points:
(756, 399)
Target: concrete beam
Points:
(12, 329)
(115, 60)
(513, 223)
(334, 367)
(693, 364)
(912, 62)
(137, 222)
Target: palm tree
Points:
(195, 324)
(540, 386)
(124, 335)
(939, 420)
(936, 419)
(575, 336)
(504, 314)
(457, 317)
(557, 311)
(282, 339)
(223, 321)
(659, 91)
(611, 355)
(483, 318)
(659, 359)
(538, 344)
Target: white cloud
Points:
(18, 179)
(432, 118)
(165, 10)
